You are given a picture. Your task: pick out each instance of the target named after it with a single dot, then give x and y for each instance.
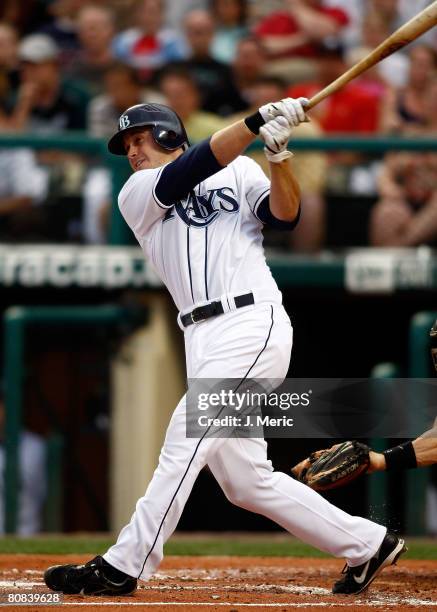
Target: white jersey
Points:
(209, 244)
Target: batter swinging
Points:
(198, 214)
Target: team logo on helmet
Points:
(124, 122)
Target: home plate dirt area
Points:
(236, 584)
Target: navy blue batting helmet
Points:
(167, 128)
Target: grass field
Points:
(242, 545)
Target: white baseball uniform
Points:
(206, 247)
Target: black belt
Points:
(201, 313)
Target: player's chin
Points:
(142, 166)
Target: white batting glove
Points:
(275, 134)
(290, 108)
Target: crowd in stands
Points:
(77, 64)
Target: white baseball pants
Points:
(254, 342)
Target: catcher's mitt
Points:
(333, 467)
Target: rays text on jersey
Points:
(201, 210)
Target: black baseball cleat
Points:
(356, 579)
(97, 577)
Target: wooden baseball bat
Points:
(418, 25)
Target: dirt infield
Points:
(237, 584)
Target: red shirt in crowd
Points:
(352, 109)
(284, 24)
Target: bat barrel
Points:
(411, 30)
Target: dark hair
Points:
(276, 81)
(331, 49)
(179, 72)
(254, 40)
(119, 67)
(243, 10)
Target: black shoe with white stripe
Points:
(97, 577)
(356, 579)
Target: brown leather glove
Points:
(333, 467)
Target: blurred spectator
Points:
(258, 9)
(310, 168)
(294, 35)
(62, 29)
(406, 107)
(393, 13)
(351, 109)
(248, 66)
(122, 88)
(26, 16)
(182, 94)
(406, 214)
(397, 12)
(23, 186)
(371, 81)
(430, 115)
(392, 70)
(9, 79)
(374, 30)
(18, 107)
(214, 79)
(53, 106)
(95, 30)
(97, 190)
(175, 11)
(33, 479)
(148, 46)
(230, 17)
(8, 55)
(350, 35)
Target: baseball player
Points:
(421, 452)
(342, 463)
(198, 214)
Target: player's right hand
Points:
(290, 108)
(275, 134)
(334, 467)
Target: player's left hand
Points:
(301, 468)
(275, 134)
(377, 462)
(290, 108)
(334, 467)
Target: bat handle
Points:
(316, 99)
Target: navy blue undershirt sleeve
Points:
(265, 215)
(180, 176)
